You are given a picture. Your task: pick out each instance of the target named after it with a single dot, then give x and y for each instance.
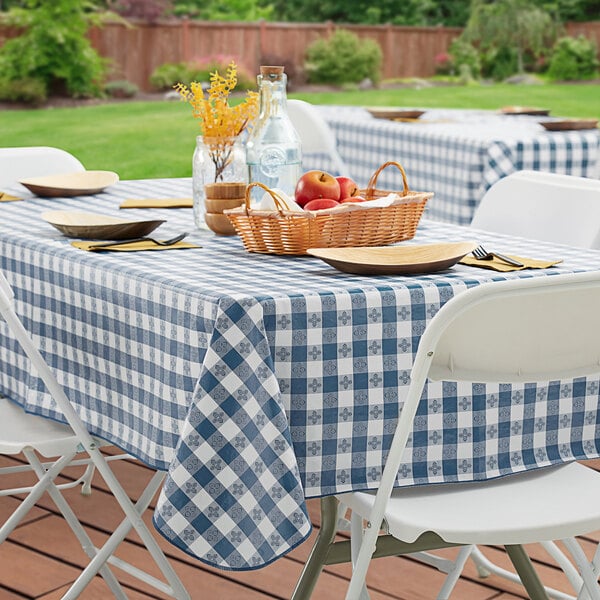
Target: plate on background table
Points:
(383, 112)
(70, 184)
(570, 124)
(93, 226)
(525, 110)
(394, 260)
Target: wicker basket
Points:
(294, 232)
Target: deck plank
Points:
(44, 546)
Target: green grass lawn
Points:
(157, 139)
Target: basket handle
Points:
(373, 181)
(279, 203)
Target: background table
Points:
(458, 154)
(259, 381)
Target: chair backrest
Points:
(35, 161)
(315, 134)
(543, 206)
(39, 364)
(522, 330)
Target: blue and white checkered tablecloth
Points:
(259, 381)
(458, 154)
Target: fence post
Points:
(388, 61)
(185, 39)
(262, 39)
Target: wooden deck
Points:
(41, 558)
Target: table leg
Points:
(318, 555)
(527, 573)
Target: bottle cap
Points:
(273, 73)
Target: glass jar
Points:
(273, 150)
(216, 160)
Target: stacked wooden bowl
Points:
(220, 197)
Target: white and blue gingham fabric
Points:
(258, 381)
(458, 154)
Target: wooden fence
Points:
(136, 50)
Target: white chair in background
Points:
(315, 134)
(496, 332)
(35, 161)
(543, 206)
(551, 207)
(33, 436)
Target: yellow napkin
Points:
(4, 197)
(498, 265)
(131, 247)
(157, 203)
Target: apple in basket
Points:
(316, 184)
(321, 203)
(348, 187)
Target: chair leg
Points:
(564, 563)
(316, 560)
(134, 520)
(483, 564)
(356, 532)
(524, 568)
(34, 495)
(454, 573)
(589, 589)
(73, 522)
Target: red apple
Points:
(352, 199)
(320, 203)
(348, 187)
(316, 184)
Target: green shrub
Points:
(443, 64)
(500, 63)
(167, 75)
(30, 91)
(121, 89)
(573, 59)
(343, 58)
(52, 49)
(464, 53)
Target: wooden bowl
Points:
(225, 190)
(218, 205)
(220, 224)
(79, 183)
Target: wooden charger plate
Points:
(383, 112)
(70, 184)
(93, 226)
(570, 124)
(394, 260)
(525, 110)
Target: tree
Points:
(231, 10)
(148, 10)
(408, 12)
(510, 24)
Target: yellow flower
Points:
(220, 123)
(217, 118)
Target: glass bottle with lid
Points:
(273, 149)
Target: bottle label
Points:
(271, 160)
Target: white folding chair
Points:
(315, 134)
(32, 436)
(543, 206)
(35, 161)
(496, 332)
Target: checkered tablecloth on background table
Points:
(458, 154)
(259, 381)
